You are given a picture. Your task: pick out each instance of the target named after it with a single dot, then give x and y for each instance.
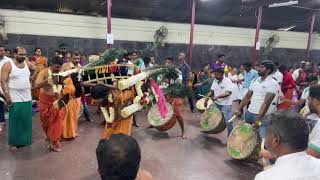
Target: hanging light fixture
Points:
(286, 28)
(289, 3)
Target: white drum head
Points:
(200, 103)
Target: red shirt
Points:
(287, 82)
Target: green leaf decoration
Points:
(169, 72)
(176, 90)
(245, 129)
(205, 124)
(234, 152)
(108, 56)
(213, 110)
(156, 120)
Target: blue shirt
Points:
(185, 70)
(248, 77)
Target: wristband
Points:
(259, 122)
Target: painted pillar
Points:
(310, 37)
(109, 9)
(257, 36)
(193, 16)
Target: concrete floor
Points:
(164, 154)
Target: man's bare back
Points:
(45, 87)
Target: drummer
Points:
(221, 90)
(175, 101)
(262, 92)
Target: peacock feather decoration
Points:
(106, 58)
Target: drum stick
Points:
(265, 161)
(233, 117)
(203, 96)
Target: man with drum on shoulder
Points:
(261, 95)
(175, 101)
(221, 90)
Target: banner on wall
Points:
(110, 39)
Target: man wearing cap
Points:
(221, 90)
(261, 94)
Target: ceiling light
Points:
(289, 3)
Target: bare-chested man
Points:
(51, 117)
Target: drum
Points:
(212, 121)
(155, 119)
(244, 143)
(200, 104)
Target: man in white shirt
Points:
(296, 72)
(314, 106)
(312, 117)
(221, 91)
(3, 60)
(277, 75)
(287, 140)
(261, 94)
(152, 62)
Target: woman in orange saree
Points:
(41, 63)
(70, 121)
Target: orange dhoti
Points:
(122, 126)
(70, 122)
(51, 118)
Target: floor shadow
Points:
(157, 135)
(195, 124)
(246, 170)
(95, 176)
(241, 165)
(208, 142)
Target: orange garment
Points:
(51, 118)
(41, 63)
(119, 125)
(288, 95)
(70, 121)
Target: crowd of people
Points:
(269, 96)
